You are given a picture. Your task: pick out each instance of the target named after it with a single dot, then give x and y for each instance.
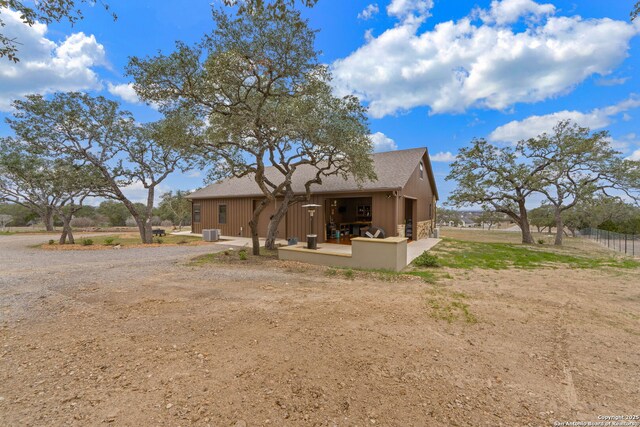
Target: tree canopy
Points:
(95, 131)
(46, 185)
(574, 164)
(496, 178)
(257, 84)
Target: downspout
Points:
(396, 193)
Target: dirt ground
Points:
(97, 338)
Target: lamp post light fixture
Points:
(312, 237)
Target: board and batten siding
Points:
(420, 190)
(238, 216)
(296, 223)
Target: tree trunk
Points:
(527, 238)
(63, 237)
(47, 218)
(253, 226)
(272, 229)
(67, 233)
(144, 226)
(559, 227)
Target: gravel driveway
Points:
(29, 273)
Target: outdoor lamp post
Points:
(312, 237)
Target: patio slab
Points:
(417, 247)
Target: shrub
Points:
(52, 242)
(349, 274)
(156, 220)
(166, 223)
(86, 242)
(426, 260)
(541, 241)
(131, 222)
(243, 255)
(108, 241)
(82, 222)
(158, 240)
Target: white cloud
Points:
(634, 156)
(369, 12)
(532, 126)
(382, 142)
(404, 9)
(46, 66)
(491, 63)
(138, 194)
(612, 82)
(194, 174)
(124, 91)
(443, 156)
(509, 11)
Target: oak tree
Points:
(257, 83)
(575, 164)
(496, 178)
(95, 131)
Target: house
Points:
(402, 202)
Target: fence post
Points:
(625, 243)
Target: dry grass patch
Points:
(122, 240)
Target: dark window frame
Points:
(197, 212)
(222, 219)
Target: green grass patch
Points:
(7, 233)
(449, 306)
(499, 256)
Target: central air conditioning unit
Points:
(211, 235)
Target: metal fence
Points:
(628, 244)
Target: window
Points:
(222, 214)
(421, 171)
(196, 212)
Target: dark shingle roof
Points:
(393, 168)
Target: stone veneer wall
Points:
(424, 229)
(401, 229)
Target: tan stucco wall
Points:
(379, 254)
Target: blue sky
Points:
(434, 73)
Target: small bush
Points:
(541, 241)
(426, 260)
(86, 242)
(108, 241)
(52, 242)
(227, 252)
(349, 274)
(243, 255)
(167, 223)
(158, 240)
(130, 222)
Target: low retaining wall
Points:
(379, 254)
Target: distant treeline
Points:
(172, 211)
